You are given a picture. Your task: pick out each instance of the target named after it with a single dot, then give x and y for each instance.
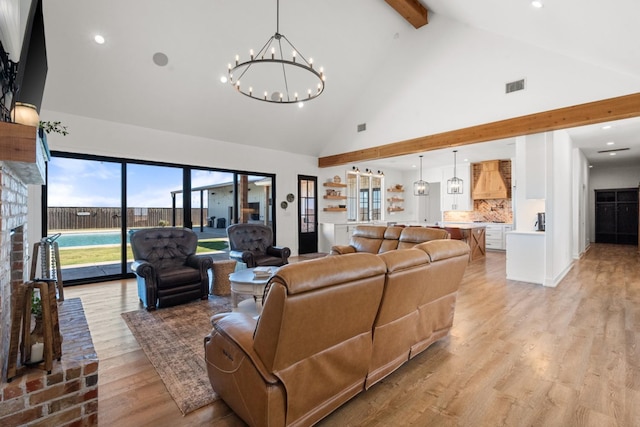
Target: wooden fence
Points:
(87, 218)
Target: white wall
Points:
(545, 159)
(99, 137)
(602, 178)
(580, 203)
(559, 205)
(525, 209)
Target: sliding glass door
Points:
(154, 196)
(94, 203)
(211, 210)
(253, 199)
(84, 215)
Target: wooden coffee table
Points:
(244, 283)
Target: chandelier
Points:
(272, 76)
(420, 187)
(454, 185)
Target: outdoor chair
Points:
(252, 244)
(166, 267)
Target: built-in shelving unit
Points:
(395, 199)
(334, 194)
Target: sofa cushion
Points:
(411, 236)
(177, 275)
(391, 238)
(368, 238)
(262, 259)
(437, 250)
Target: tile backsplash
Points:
(494, 210)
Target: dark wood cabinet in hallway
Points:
(617, 216)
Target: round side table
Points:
(243, 282)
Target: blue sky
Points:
(88, 183)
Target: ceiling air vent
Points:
(362, 127)
(514, 86)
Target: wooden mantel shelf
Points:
(23, 152)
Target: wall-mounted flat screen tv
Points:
(23, 44)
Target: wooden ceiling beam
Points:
(622, 107)
(411, 10)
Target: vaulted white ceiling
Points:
(404, 83)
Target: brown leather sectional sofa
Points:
(331, 328)
(376, 239)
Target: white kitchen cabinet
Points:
(334, 234)
(494, 236)
(526, 256)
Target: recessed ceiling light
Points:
(98, 39)
(537, 4)
(610, 143)
(612, 154)
(605, 127)
(223, 79)
(300, 104)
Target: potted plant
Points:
(36, 306)
(52, 127)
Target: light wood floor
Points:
(518, 355)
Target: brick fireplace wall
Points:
(13, 215)
(68, 395)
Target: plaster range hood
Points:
(489, 183)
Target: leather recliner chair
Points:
(166, 267)
(252, 244)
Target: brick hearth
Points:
(66, 397)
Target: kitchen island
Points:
(472, 234)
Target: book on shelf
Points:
(262, 272)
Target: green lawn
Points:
(100, 254)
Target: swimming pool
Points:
(89, 239)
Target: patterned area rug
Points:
(173, 340)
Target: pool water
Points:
(88, 239)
